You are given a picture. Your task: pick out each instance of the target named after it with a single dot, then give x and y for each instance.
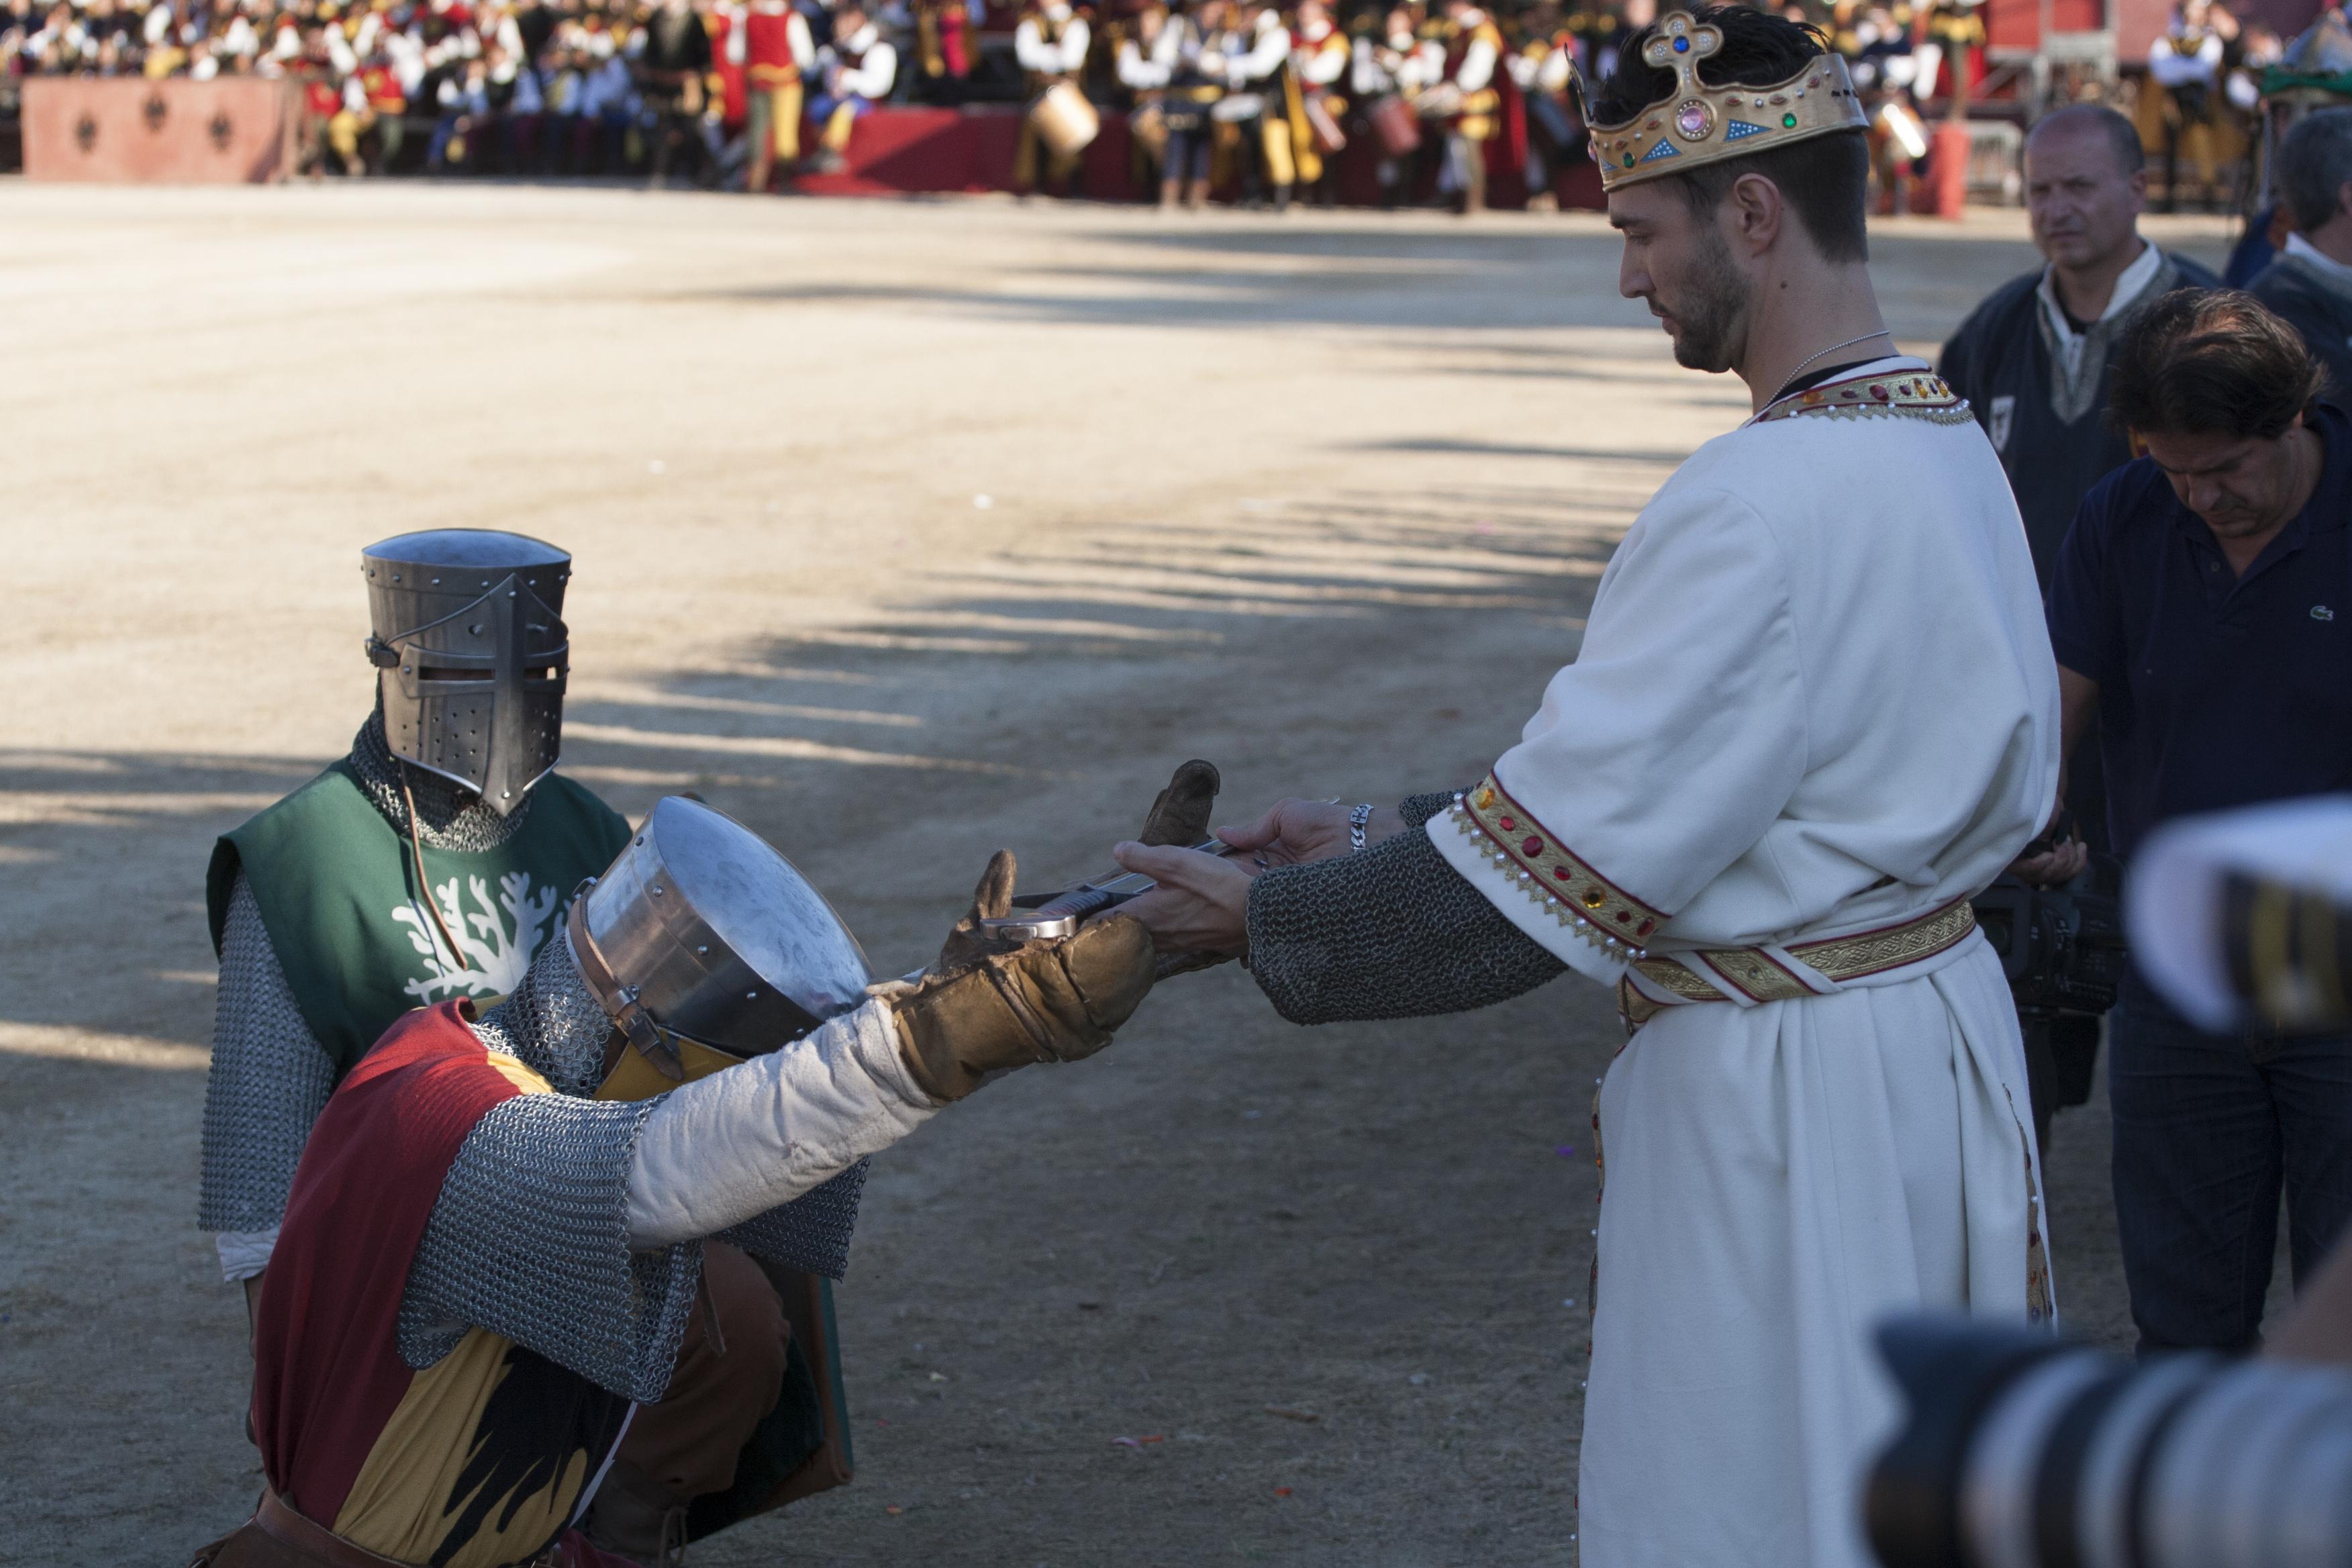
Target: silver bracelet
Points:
(1356, 820)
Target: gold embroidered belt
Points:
(1718, 973)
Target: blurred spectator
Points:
(859, 67)
(2310, 284)
(778, 55)
(2183, 94)
(670, 71)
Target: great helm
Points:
(1696, 123)
(701, 930)
(469, 643)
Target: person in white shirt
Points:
(1143, 65)
(1468, 103)
(1257, 55)
(859, 67)
(1395, 65)
(1051, 43)
(1187, 56)
(2184, 70)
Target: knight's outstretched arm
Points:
(567, 1224)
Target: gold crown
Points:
(1696, 123)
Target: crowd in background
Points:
(720, 89)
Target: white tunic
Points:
(1815, 698)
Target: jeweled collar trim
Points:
(1908, 393)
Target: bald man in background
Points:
(2032, 358)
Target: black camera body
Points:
(2062, 949)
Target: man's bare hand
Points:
(1297, 832)
(2056, 858)
(1202, 904)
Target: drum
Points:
(1065, 121)
(1394, 125)
(1328, 138)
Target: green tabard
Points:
(339, 898)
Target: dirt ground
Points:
(904, 531)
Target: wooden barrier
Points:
(229, 131)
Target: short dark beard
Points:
(1715, 316)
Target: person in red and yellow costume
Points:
(727, 88)
(779, 53)
(1319, 58)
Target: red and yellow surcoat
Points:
(476, 1461)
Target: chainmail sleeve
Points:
(1393, 932)
(269, 1080)
(1417, 809)
(812, 1232)
(530, 1240)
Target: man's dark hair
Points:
(1825, 178)
(2123, 136)
(2212, 362)
(2314, 164)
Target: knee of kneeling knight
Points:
(751, 1334)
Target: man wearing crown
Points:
(1813, 712)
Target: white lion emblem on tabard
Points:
(498, 938)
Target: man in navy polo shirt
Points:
(2201, 611)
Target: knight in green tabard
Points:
(428, 866)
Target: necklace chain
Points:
(1823, 354)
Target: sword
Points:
(1046, 916)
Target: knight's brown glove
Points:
(1043, 1001)
(993, 900)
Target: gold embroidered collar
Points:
(1908, 393)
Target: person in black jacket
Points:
(2310, 284)
(2032, 358)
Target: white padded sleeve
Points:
(725, 1148)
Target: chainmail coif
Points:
(1393, 932)
(552, 1024)
(448, 816)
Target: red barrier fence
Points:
(229, 131)
(905, 151)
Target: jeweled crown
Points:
(1697, 123)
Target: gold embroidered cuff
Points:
(1578, 896)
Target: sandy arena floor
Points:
(904, 531)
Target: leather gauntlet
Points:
(1043, 1001)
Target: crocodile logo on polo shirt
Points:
(2322, 613)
